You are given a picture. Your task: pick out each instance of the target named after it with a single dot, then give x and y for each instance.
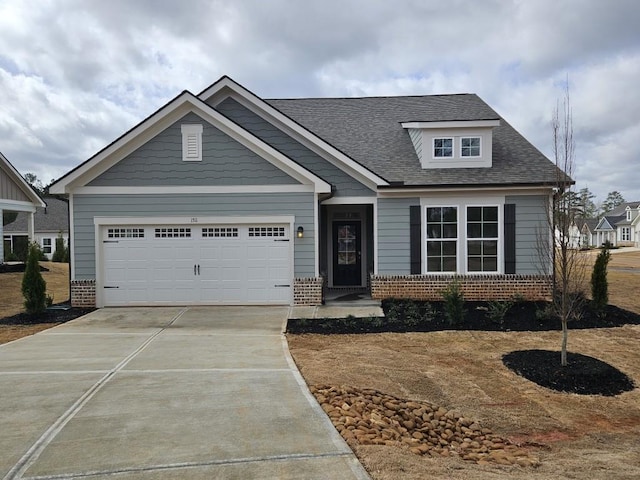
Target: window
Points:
(470, 147)
(191, 143)
(625, 234)
(482, 239)
(267, 232)
(125, 233)
(443, 147)
(220, 232)
(170, 232)
(46, 246)
(628, 214)
(442, 239)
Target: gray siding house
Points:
(16, 197)
(227, 198)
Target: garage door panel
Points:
(204, 265)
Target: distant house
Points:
(588, 235)
(49, 222)
(16, 195)
(620, 226)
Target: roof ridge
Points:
(374, 97)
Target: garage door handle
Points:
(198, 269)
(107, 286)
(282, 285)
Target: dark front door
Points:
(347, 265)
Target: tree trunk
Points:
(563, 352)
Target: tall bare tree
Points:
(560, 254)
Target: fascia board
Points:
(297, 131)
(172, 112)
(453, 124)
(19, 180)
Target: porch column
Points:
(30, 225)
(1, 239)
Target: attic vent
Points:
(191, 143)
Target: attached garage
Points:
(160, 264)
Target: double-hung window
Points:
(442, 239)
(626, 234)
(470, 147)
(482, 239)
(46, 246)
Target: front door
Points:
(347, 265)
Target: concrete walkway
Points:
(189, 393)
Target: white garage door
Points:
(211, 264)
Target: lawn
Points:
(573, 436)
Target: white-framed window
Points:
(628, 214)
(482, 238)
(443, 147)
(442, 239)
(470, 147)
(191, 142)
(267, 232)
(125, 233)
(220, 232)
(173, 232)
(46, 246)
(625, 234)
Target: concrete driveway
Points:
(158, 393)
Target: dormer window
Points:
(470, 146)
(191, 142)
(442, 147)
(628, 214)
(453, 144)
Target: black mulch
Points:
(59, 313)
(17, 268)
(583, 375)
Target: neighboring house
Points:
(588, 237)
(228, 198)
(16, 195)
(620, 226)
(49, 222)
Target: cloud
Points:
(75, 75)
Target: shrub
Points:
(496, 310)
(61, 253)
(453, 299)
(599, 284)
(9, 256)
(33, 285)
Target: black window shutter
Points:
(510, 238)
(415, 242)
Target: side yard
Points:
(573, 436)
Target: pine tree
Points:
(33, 285)
(599, 284)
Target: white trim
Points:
(191, 132)
(72, 242)
(452, 124)
(424, 239)
(171, 113)
(350, 201)
(17, 205)
(500, 239)
(187, 190)
(469, 137)
(375, 238)
(441, 157)
(316, 229)
(21, 183)
(194, 220)
(470, 190)
(304, 136)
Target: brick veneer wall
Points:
(474, 287)
(83, 293)
(307, 291)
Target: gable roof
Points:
(608, 222)
(621, 209)
(370, 131)
(52, 218)
(161, 119)
(19, 182)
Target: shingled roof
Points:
(369, 131)
(53, 218)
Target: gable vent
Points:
(191, 143)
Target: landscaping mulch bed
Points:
(59, 313)
(583, 375)
(17, 268)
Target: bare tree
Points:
(558, 253)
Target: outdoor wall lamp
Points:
(300, 232)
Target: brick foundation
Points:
(83, 293)
(474, 287)
(307, 291)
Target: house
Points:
(588, 236)
(16, 195)
(50, 222)
(227, 198)
(620, 226)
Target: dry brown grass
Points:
(577, 436)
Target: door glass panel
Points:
(346, 245)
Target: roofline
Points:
(290, 123)
(399, 186)
(27, 189)
(476, 123)
(186, 98)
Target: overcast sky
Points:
(76, 74)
